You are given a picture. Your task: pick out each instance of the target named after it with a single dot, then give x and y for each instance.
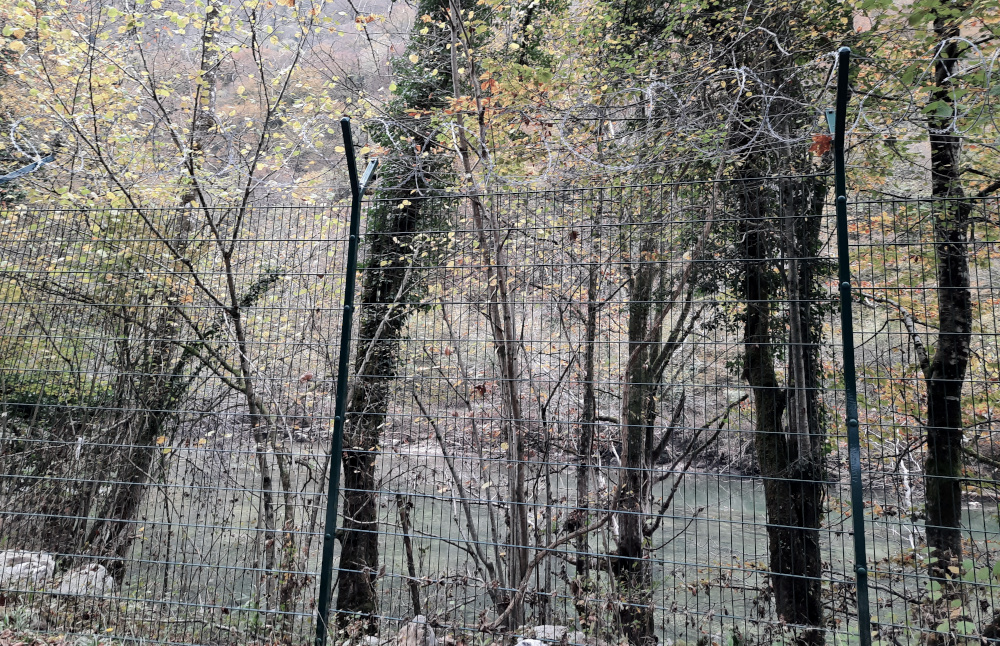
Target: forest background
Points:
(192, 116)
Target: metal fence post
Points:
(847, 335)
(343, 368)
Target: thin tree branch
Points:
(909, 323)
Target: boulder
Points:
(25, 570)
(549, 633)
(530, 642)
(90, 580)
(417, 633)
(582, 639)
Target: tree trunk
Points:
(413, 169)
(802, 207)
(791, 485)
(383, 314)
(946, 373)
(588, 422)
(500, 313)
(157, 391)
(631, 568)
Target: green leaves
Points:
(874, 5)
(940, 109)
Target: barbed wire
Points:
(908, 101)
(639, 123)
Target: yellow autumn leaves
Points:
(15, 34)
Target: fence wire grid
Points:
(589, 416)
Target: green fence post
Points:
(343, 368)
(847, 335)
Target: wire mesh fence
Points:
(926, 303)
(569, 439)
(166, 411)
(550, 420)
(596, 415)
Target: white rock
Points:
(20, 569)
(550, 633)
(417, 633)
(531, 642)
(582, 639)
(87, 581)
